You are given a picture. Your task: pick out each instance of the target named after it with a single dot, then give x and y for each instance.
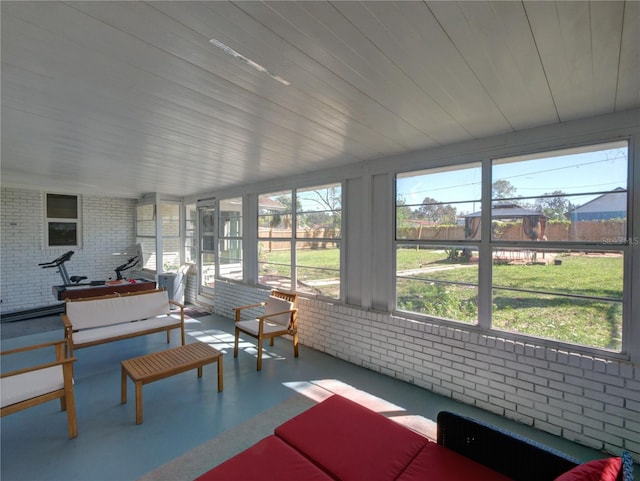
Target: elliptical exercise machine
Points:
(62, 269)
(75, 280)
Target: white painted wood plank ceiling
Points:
(126, 98)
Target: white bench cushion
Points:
(124, 328)
(104, 312)
(25, 386)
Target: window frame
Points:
(77, 220)
(487, 244)
(294, 239)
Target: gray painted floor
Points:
(183, 411)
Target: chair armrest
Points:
(260, 304)
(262, 318)
(60, 354)
(61, 362)
(240, 308)
(31, 348)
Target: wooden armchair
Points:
(279, 319)
(30, 386)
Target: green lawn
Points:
(541, 312)
(431, 284)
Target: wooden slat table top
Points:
(177, 359)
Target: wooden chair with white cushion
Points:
(27, 387)
(278, 319)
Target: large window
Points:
(436, 251)
(301, 246)
(275, 239)
(318, 234)
(559, 243)
(554, 238)
(230, 238)
(62, 220)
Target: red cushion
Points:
(270, 459)
(437, 463)
(606, 469)
(352, 442)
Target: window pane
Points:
(170, 220)
(438, 281)
(319, 211)
(439, 204)
(208, 266)
(569, 296)
(170, 254)
(146, 220)
(231, 217)
(568, 195)
(62, 207)
(274, 264)
(207, 229)
(318, 268)
(274, 214)
(230, 259)
(148, 246)
(190, 233)
(63, 233)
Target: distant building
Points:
(604, 207)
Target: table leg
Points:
(138, 402)
(123, 386)
(200, 371)
(220, 374)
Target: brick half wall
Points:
(583, 398)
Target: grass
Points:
(578, 301)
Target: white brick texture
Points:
(107, 228)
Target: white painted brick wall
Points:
(107, 227)
(592, 401)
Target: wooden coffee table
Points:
(159, 365)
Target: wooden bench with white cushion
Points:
(97, 320)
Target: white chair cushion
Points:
(25, 386)
(275, 304)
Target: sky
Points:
(587, 173)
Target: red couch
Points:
(341, 440)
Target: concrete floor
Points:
(183, 412)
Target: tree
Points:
(554, 205)
(502, 189)
(436, 212)
(403, 213)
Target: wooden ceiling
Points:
(126, 98)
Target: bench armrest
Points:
(176, 303)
